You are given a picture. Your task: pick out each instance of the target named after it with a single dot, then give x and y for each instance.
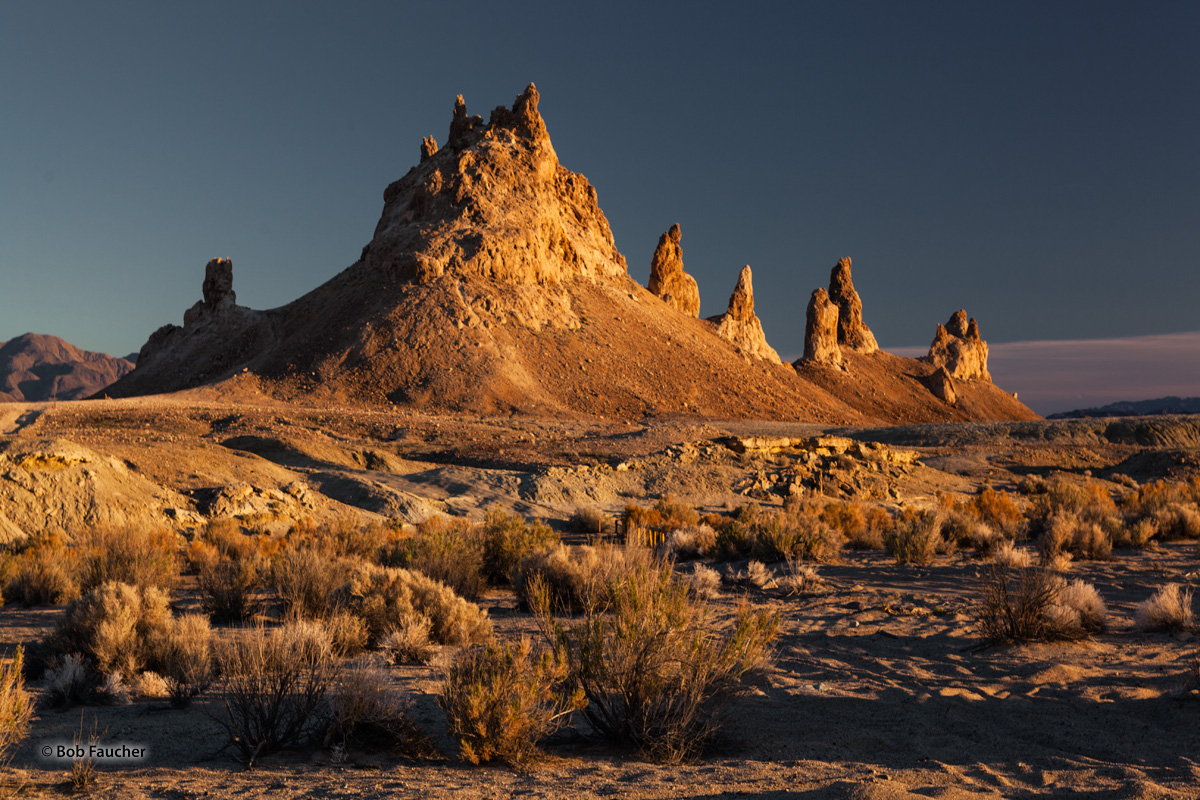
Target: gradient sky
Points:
(1035, 163)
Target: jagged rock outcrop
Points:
(429, 148)
(740, 326)
(957, 347)
(218, 283)
(852, 331)
(942, 386)
(36, 367)
(667, 277)
(821, 331)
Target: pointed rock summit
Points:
(821, 331)
(667, 277)
(740, 326)
(852, 331)
(957, 347)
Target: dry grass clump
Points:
(132, 556)
(272, 684)
(801, 579)
(502, 699)
(693, 541)
(386, 597)
(367, 710)
(577, 577)
(1031, 604)
(704, 581)
(916, 537)
(43, 574)
(116, 625)
(16, 704)
(1007, 554)
(655, 668)
(1168, 609)
(410, 642)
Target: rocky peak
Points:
(218, 283)
(429, 148)
(740, 326)
(957, 347)
(668, 279)
(852, 331)
(821, 331)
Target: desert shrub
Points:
(347, 633)
(501, 699)
(507, 539)
(694, 541)
(1081, 537)
(734, 539)
(1007, 554)
(306, 581)
(1091, 504)
(759, 575)
(183, 656)
(149, 684)
(367, 710)
(796, 533)
(16, 704)
(1000, 512)
(862, 527)
(916, 537)
(1076, 605)
(649, 527)
(1030, 604)
(116, 625)
(705, 582)
(577, 576)
(1177, 521)
(385, 597)
(450, 550)
(589, 519)
(801, 579)
(227, 539)
(69, 681)
(272, 685)
(132, 556)
(655, 669)
(232, 590)
(1139, 533)
(44, 574)
(1168, 609)
(1032, 484)
(1149, 498)
(410, 642)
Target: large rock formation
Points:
(740, 326)
(492, 285)
(852, 331)
(942, 386)
(821, 331)
(667, 277)
(218, 283)
(957, 347)
(35, 367)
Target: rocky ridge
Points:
(36, 367)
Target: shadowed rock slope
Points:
(35, 367)
(492, 284)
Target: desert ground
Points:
(881, 684)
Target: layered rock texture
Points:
(821, 331)
(36, 367)
(957, 347)
(740, 326)
(852, 332)
(492, 284)
(667, 278)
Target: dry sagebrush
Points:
(1168, 609)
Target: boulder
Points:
(667, 277)
(852, 332)
(821, 331)
(957, 347)
(740, 326)
(942, 386)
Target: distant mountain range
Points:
(36, 367)
(1136, 408)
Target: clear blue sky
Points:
(1036, 163)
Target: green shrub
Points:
(500, 700)
(655, 669)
